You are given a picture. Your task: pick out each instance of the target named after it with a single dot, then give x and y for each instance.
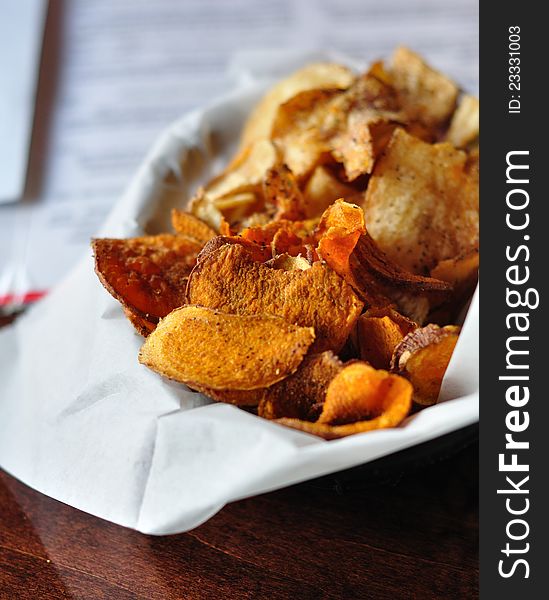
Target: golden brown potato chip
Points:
(281, 190)
(352, 125)
(315, 76)
(303, 129)
(425, 94)
(204, 347)
(359, 398)
(358, 147)
(205, 210)
(302, 394)
(324, 189)
(422, 357)
(421, 204)
(379, 331)
(229, 279)
(148, 275)
(187, 224)
(464, 127)
(236, 208)
(246, 173)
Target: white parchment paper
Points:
(83, 422)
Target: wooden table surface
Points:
(415, 538)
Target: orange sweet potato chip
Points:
(141, 325)
(208, 348)
(187, 224)
(359, 398)
(302, 394)
(148, 275)
(229, 279)
(379, 331)
(422, 357)
(347, 247)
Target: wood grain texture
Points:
(414, 539)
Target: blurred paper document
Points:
(21, 30)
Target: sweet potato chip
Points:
(258, 252)
(244, 398)
(302, 394)
(421, 204)
(187, 224)
(229, 279)
(204, 347)
(359, 398)
(141, 325)
(289, 263)
(311, 77)
(324, 189)
(379, 331)
(422, 357)
(346, 246)
(340, 227)
(148, 275)
(464, 127)
(425, 94)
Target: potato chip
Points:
(303, 129)
(229, 279)
(311, 77)
(302, 394)
(148, 275)
(187, 224)
(243, 175)
(204, 347)
(358, 147)
(359, 398)
(379, 331)
(324, 189)
(371, 113)
(464, 127)
(422, 357)
(352, 125)
(281, 190)
(421, 204)
(425, 94)
(236, 208)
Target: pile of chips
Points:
(316, 279)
